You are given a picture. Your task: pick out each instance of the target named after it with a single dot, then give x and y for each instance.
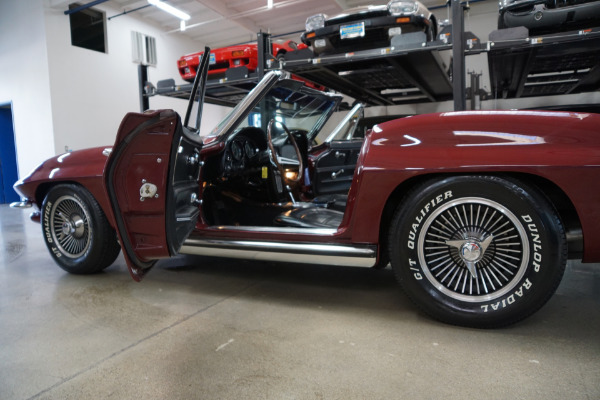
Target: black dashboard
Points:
(244, 153)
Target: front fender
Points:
(84, 167)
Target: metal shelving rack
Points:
(556, 64)
(406, 72)
(412, 71)
(387, 76)
(227, 91)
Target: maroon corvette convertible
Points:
(477, 212)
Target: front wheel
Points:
(477, 251)
(76, 231)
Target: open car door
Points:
(151, 177)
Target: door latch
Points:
(148, 190)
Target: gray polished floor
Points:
(199, 328)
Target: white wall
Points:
(66, 96)
(92, 91)
(24, 80)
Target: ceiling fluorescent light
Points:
(269, 4)
(170, 9)
(182, 25)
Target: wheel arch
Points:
(556, 196)
(44, 188)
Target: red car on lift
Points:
(231, 57)
(477, 212)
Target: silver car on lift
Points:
(548, 16)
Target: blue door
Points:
(8, 157)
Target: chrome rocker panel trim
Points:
(279, 229)
(304, 253)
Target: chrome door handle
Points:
(339, 155)
(334, 175)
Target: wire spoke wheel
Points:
(473, 249)
(76, 230)
(478, 251)
(70, 226)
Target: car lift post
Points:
(458, 56)
(263, 50)
(142, 79)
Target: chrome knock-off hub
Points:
(471, 251)
(73, 227)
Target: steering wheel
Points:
(274, 153)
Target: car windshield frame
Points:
(347, 127)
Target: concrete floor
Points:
(205, 328)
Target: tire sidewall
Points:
(78, 264)
(547, 252)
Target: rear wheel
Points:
(76, 231)
(477, 251)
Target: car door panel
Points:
(153, 203)
(334, 168)
(184, 187)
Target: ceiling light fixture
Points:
(170, 9)
(269, 4)
(280, 4)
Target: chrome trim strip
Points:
(272, 229)
(21, 204)
(305, 253)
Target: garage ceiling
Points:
(219, 23)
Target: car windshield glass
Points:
(291, 103)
